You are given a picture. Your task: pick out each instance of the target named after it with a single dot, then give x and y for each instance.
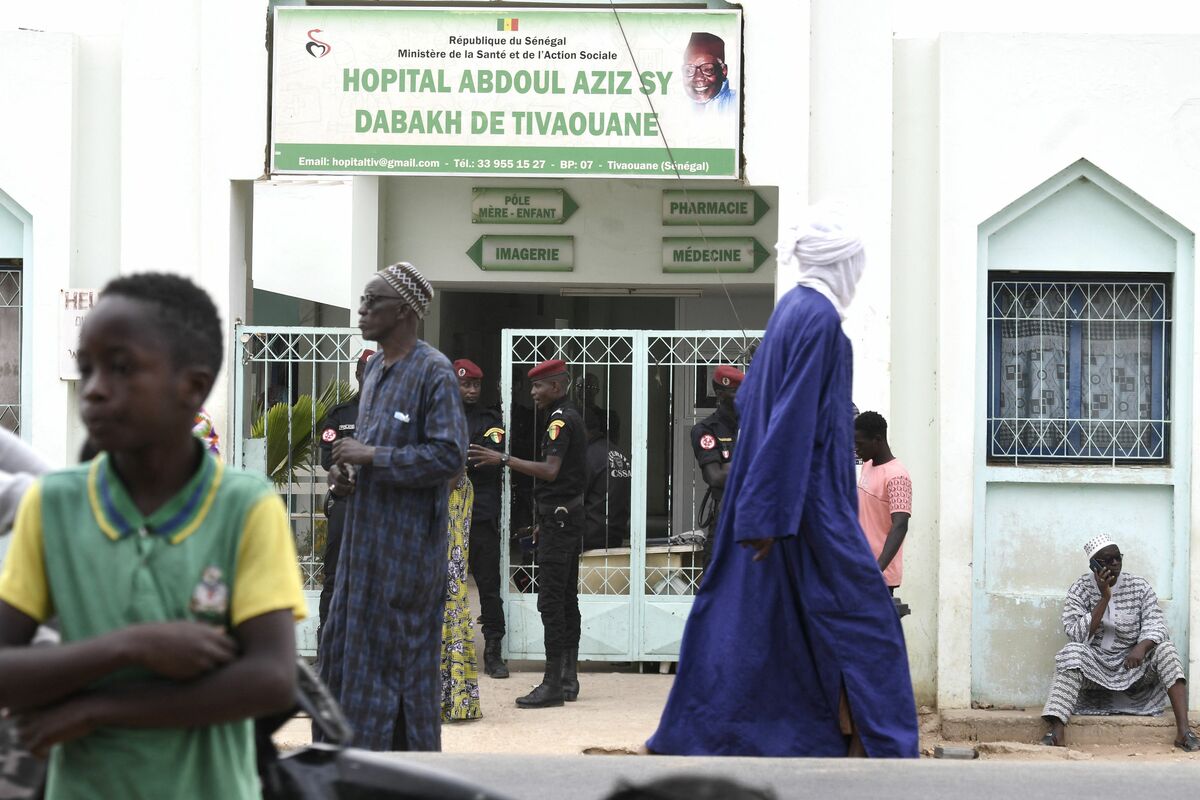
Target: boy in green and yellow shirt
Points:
(173, 577)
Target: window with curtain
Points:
(1078, 369)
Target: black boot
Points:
(570, 675)
(493, 664)
(549, 692)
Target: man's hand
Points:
(179, 650)
(479, 456)
(1136, 655)
(352, 451)
(1104, 582)
(762, 547)
(72, 719)
(340, 483)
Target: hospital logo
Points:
(315, 47)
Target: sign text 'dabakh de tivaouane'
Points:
(554, 92)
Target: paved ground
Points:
(594, 777)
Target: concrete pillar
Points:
(850, 162)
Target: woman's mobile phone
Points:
(1095, 565)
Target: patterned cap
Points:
(466, 368)
(726, 375)
(411, 285)
(1096, 544)
(548, 369)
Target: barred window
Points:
(1079, 369)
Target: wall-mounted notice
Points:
(532, 253)
(521, 206)
(713, 254)
(549, 92)
(73, 306)
(712, 207)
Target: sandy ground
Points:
(619, 708)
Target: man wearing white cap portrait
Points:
(1120, 659)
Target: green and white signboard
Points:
(712, 207)
(713, 254)
(534, 253)
(506, 91)
(513, 206)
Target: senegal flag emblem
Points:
(494, 435)
(555, 427)
(506, 24)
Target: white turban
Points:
(829, 255)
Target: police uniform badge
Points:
(462, 372)
(210, 598)
(708, 442)
(555, 428)
(328, 435)
(494, 435)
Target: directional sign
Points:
(534, 253)
(713, 254)
(514, 206)
(712, 207)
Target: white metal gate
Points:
(285, 381)
(634, 595)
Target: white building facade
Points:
(1051, 166)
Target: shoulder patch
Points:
(555, 428)
(708, 442)
(328, 435)
(556, 411)
(495, 435)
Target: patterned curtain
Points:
(1117, 374)
(1033, 385)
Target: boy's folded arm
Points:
(35, 676)
(261, 680)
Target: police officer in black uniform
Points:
(486, 429)
(338, 424)
(713, 439)
(561, 479)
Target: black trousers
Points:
(335, 513)
(558, 582)
(484, 561)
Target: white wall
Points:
(1013, 111)
(135, 118)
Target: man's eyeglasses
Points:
(708, 69)
(1109, 561)
(368, 301)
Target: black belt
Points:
(549, 509)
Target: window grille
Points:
(1079, 370)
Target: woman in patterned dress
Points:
(460, 671)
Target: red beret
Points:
(366, 354)
(548, 369)
(466, 368)
(726, 375)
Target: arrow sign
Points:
(712, 207)
(714, 254)
(517, 206)
(532, 253)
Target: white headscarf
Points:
(829, 255)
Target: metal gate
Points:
(285, 381)
(651, 386)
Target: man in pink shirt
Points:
(884, 496)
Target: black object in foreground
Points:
(901, 608)
(335, 771)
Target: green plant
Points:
(290, 430)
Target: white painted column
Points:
(160, 137)
(850, 162)
(775, 142)
(364, 239)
